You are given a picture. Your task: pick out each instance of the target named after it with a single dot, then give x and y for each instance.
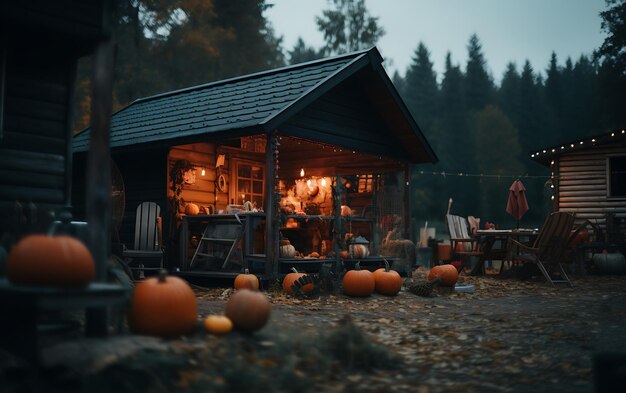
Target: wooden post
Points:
(271, 228)
(407, 201)
(337, 191)
(98, 193)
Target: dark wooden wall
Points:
(582, 184)
(34, 147)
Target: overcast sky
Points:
(509, 30)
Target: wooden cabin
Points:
(279, 154)
(589, 178)
(40, 43)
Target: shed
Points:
(589, 178)
(40, 46)
(286, 140)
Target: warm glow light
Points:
(572, 145)
(612, 134)
(532, 155)
(544, 151)
(203, 172)
(302, 172)
(593, 140)
(562, 147)
(552, 197)
(581, 142)
(552, 150)
(552, 162)
(323, 182)
(308, 182)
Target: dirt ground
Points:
(507, 336)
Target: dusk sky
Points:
(509, 30)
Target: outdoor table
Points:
(493, 245)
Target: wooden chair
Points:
(549, 248)
(147, 244)
(462, 243)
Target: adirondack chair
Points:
(147, 245)
(549, 248)
(462, 243)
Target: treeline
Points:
(487, 131)
(476, 126)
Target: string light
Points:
(578, 143)
(302, 172)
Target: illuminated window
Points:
(616, 172)
(366, 183)
(248, 182)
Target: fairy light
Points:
(302, 172)
(323, 182)
(203, 172)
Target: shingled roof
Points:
(245, 105)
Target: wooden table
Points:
(493, 245)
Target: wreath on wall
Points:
(177, 182)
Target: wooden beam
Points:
(99, 177)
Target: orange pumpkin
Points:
(163, 306)
(581, 237)
(248, 310)
(191, 209)
(387, 282)
(50, 260)
(291, 278)
(218, 324)
(246, 280)
(358, 282)
(447, 273)
(344, 254)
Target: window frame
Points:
(234, 194)
(609, 194)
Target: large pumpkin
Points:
(249, 310)
(358, 282)
(51, 261)
(163, 306)
(286, 249)
(387, 282)
(447, 273)
(291, 278)
(246, 280)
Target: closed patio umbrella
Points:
(517, 205)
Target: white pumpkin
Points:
(286, 249)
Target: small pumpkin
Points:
(50, 261)
(447, 273)
(191, 209)
(358, 282)
(345, 210)
(387, 282)
(581, 237)
(163, 306)
(286, 249)
(344, 254)
(248, 310)
(246, 280)
(218, 324)
(291, 278)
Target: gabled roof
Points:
(246, 105)
(612, 138)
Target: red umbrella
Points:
(517, 205)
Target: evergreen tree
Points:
(398, 82)
(478, 84)
(420, 88)
(302, 53)
(501, 147)
(612, 57)
(554, 94)
(509, 94)
(348, 27)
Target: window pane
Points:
(257, 173)
(243, 186)
(257, 187)
(243, 170)
(617, 167)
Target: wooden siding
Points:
(582, 185)
(34, 143)
(202, 193)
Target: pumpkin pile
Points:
(50, 261)
(163, 306)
